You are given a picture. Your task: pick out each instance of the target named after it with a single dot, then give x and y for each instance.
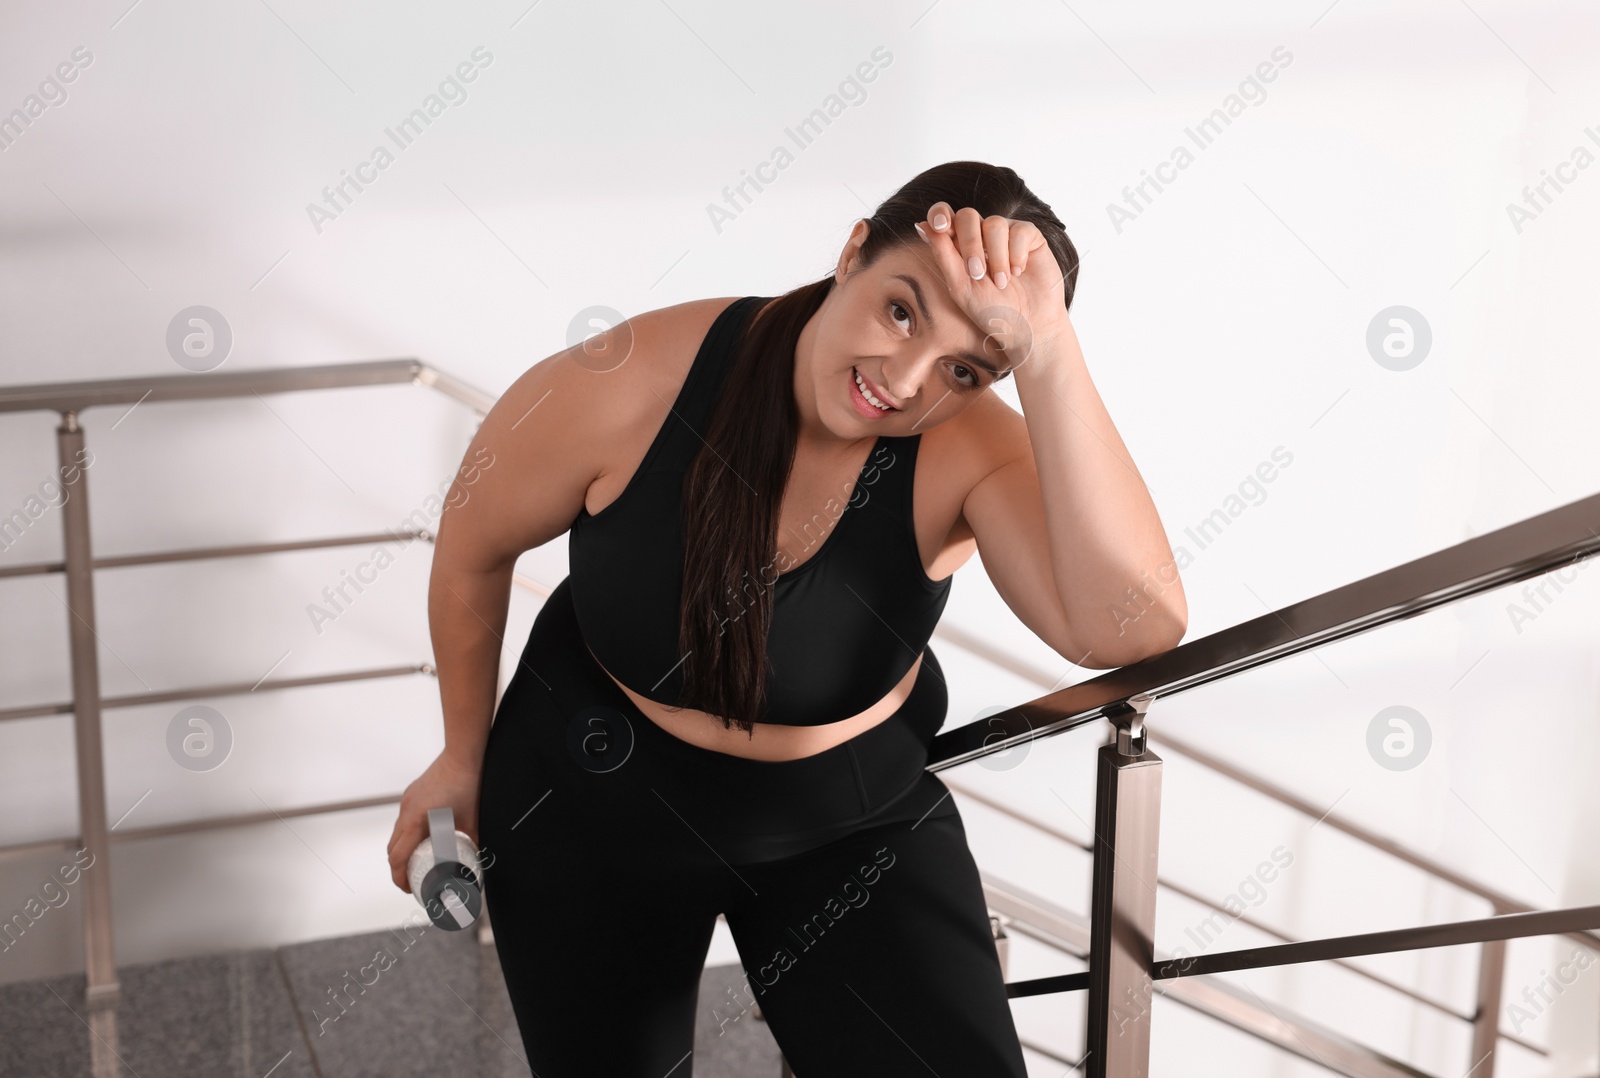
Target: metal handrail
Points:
(1504, 926)
(197, 553)
(1064, 930)
(78, 566)
(67, 397)
(1122, 964)
(1505, 556)
(227, 688)
(1501, 901)
(1241, 918)
(1288, 798)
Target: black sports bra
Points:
(848, 622)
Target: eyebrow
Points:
(922, 304)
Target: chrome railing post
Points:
(99, 956)
(1486, 1021)
(100, 963)
(1122, 915)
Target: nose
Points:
(901, 380)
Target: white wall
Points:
(1227, 319)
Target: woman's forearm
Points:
(1111, 553)
(467, 618)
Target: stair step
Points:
(436, 1004)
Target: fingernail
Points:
(940, 220)
(975, 268)
(1000, 280)
(918, 226)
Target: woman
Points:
(727, 706)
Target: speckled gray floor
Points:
(350, 1007)
(222, 1015)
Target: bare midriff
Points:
(767, 741)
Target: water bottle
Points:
(445, 875)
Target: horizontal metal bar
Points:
(29, 849)
(103, 392)
(1196, 897)
(231, 688)
(531, 584)
(1001, 807)
(233, 551)
(1502, 927)
(1038, 986)
(213, 385)
(1062, 930)
(1058, 927)
(455, 388)
(1502, 902)
(1286, 1030)
(1483, 563)
(240, 550)
(212, 823)
(1371, 838)
(1048, 922)
(247, 819)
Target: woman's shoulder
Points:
(645, 362)
(664, 341)
(688, 323)
(658, 348)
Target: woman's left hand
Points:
(1001, 273)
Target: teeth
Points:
(867, 393)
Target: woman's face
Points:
(895, 326)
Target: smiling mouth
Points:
(866, 393)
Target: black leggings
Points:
(844, 876)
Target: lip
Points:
(862, 405)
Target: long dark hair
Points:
(733, 488)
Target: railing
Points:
(1123, 965)
(71, 399)
(1117, 938)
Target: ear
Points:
(852, 250)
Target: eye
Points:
(972, 379)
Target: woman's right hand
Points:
(447, 782)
